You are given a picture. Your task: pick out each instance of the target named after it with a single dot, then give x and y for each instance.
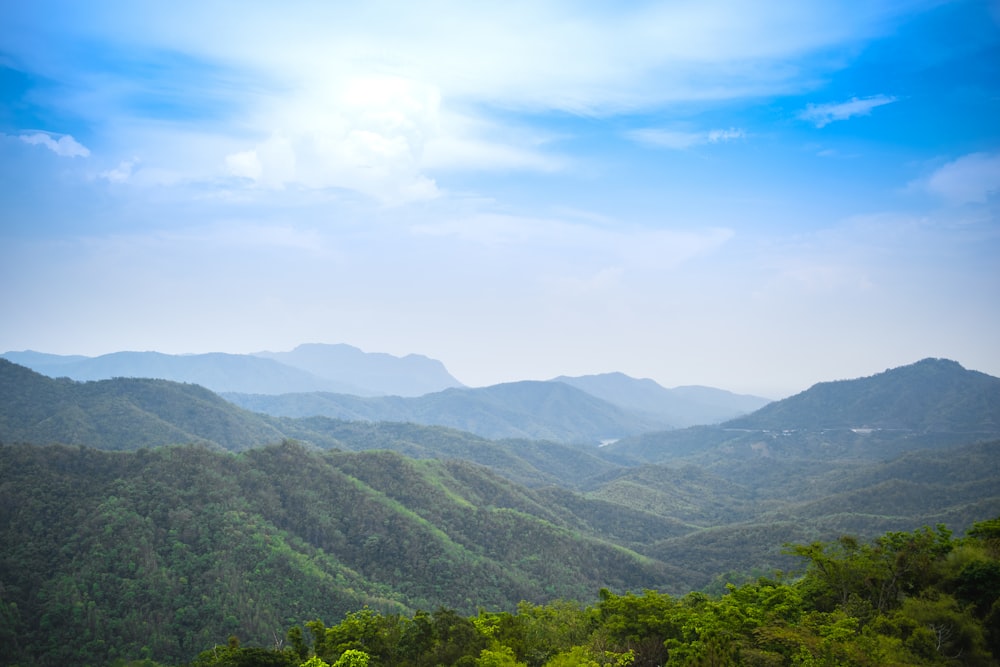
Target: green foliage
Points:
(578, 656)
(162, 552)
(874, 578)
(353, 658)
(500, 656)
(236, 656)
(905, 598)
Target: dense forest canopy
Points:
(907, 598)
(161, 553)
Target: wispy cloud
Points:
(971, 179)
(679, 140)
(121, 173)
(63, 145)
(824, 114)
(638, 248)
(598, 61)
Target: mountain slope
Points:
(932, 395)
(530, 462)
(536, 410)
(680, 406)
(934, 403)
(121, 414)
(128, 414)
(174, 549)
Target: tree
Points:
(642, 624)
(498, 656)
(353, 658)
(865, 579)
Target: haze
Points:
(753, 196)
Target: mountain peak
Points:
(374, 372)
(929, 395)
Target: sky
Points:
(755, 196)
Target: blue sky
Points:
(750, 195)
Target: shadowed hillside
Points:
(536, 410)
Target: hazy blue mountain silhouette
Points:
(680, 406)
(377, 372)
(334, 368)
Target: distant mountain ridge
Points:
(314, 367)
(350, 373)
(933, 395)
(527, 409)
(930, 403)
(680, 407)
(377, 372)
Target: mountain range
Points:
(342, 382)
(268, 521)
(536, 410)
(311, 367)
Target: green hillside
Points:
(121, 414)
(933, 395)
(934, 403)
(97, 548)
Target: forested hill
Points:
(121, 413)
(130, 414)
(933, 395)
(934, 403)
(170, 550)
(166, 553)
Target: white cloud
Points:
(365, 134)
(375, 97)
(715, 136)
(64, 146)
(244, 165)
(463, 141)
(824, 114)
(680, 140)
(971, 179)
(121, 173)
